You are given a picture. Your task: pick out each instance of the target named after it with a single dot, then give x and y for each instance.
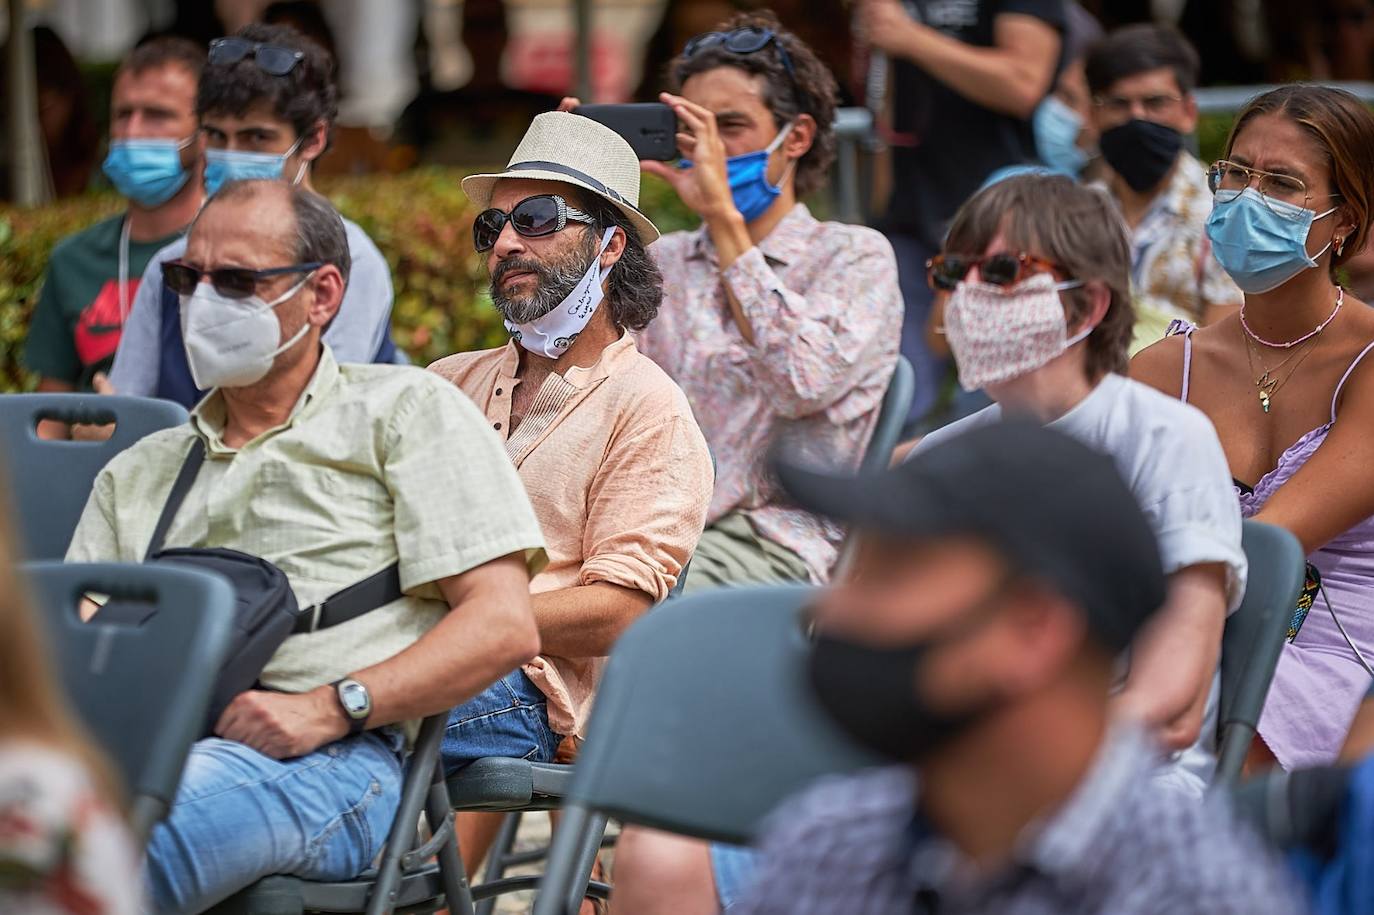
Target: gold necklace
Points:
(1268, 384)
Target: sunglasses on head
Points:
(533, 217)
(230, 282)
(272, 59)
(748, 40)
(945, 271)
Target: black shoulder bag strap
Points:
(377, 590)
(180, 487)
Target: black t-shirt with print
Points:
(957, 143)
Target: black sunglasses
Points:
(272, 59)
(533, 217)
(946, 271)
(230, 282)
(748, 40)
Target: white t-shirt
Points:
(363, 319)
(1169, 455)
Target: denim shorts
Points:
(735, 868)
(509, 718)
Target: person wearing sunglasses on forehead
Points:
(266, 104)
(1040, 316)
(772, 321)
(1289, 385)
(605, 443)
(1141, 78)
(154, 162)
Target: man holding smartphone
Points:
(776, 325)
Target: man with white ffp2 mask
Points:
(1040, 317)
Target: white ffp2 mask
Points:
(552, 334)
(232, 342)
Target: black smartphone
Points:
(649, 127)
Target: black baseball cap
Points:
(1053, 507)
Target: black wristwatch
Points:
(356, 703)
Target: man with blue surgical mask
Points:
(266, 104)
(774, 323)
(154, 161)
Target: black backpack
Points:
(266, 611)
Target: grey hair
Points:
(635, 289)
(320, 233)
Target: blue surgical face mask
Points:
(225, 165)
(748, 176)
(148, 172)
(1261, 243)
(1056, 128)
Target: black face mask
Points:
(870, 693)
(1141, 152)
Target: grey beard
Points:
(555, 282)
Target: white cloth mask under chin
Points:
(552, 334)
(231, 343)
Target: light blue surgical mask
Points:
(225, 165)
(147, 171)
(748, 176)
(1259, 241)
(1056, 127)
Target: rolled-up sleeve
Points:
(646, 508)
(458, 501)
(814, 349)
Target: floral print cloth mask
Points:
(998, 333)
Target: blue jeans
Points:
(240, 816)
(510, 718)
(735, 868)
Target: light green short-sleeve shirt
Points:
(377, 464)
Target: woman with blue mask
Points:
(1290, 390)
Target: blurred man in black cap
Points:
(999, 576)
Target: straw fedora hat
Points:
(566, 147)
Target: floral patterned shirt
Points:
(823, 302)
(63, 851)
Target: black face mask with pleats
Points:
(1141, 152)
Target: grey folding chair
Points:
(1253, 639)
(414, 874)
(891, 417)
(51, 480)
(142, 689)
(702, 725)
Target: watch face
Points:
(356, 702)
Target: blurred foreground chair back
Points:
(703, 723)
(51, 480)
(141, 688)
(1253, 639)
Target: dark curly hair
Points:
(303, 97)
(813, 92)
(635, 289)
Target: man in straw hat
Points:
(618, 472)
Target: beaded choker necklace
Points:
(1340, 298)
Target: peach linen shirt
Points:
(619, 476)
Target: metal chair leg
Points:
(560, 877)
(457, 893)
(497, 858)
(587, 851)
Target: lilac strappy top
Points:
(1319, 681)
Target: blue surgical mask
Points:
(1261, 243)
(148, 172)
(748, 176)
(1056, 128)
(225, 165)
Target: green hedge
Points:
(420, 220)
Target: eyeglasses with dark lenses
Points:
(748, 40)
(533, 217)
(230, 282)
(272, 59)
(946, 271)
